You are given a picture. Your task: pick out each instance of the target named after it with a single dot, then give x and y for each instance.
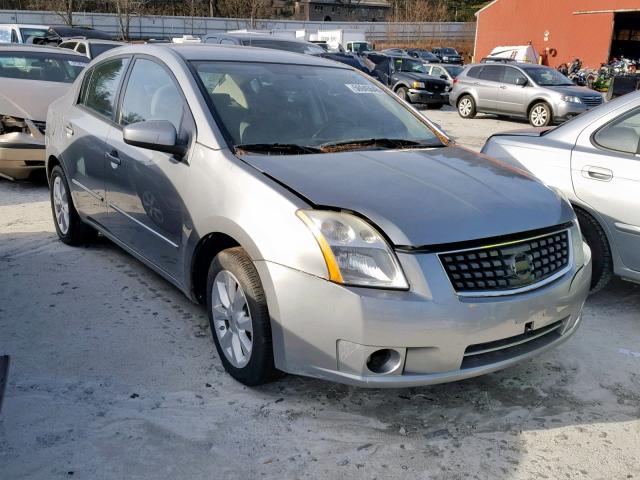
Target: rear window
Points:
(41, 66)
(474, 72)
(296, 47)
(98, 48)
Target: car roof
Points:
(229, 53)
(18, 47)
(25, 25)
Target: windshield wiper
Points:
(276, 148)
(373, 142)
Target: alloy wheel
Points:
(539, 116)
(61, 205)
(232, 319)
(465, 107)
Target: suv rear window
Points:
(492, 73)
(473, 72)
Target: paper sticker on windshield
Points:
(362, 88)
(77, 64)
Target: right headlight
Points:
(355, 253)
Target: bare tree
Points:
(420, 11)
(125, 10)
(65, 8)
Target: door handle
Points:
(597, 173)
(503, 87)
(69, 130)
(113, 158)
(475, 84)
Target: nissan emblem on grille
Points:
(508, 266)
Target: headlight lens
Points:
(445, 58)
(355, 253)
(417, 85)
(571, 99)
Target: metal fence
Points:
(167, 27)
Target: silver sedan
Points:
(595, 161)
(329, 229)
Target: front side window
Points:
(81, 49)
(103, 85)
(621, 135)
(511, 76)
(68, 45)
(151, 94)
(49, 67)
(302, 105)
(5, 35)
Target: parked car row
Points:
(305, 180)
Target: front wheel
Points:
(69, 227)
(403, 94)
(540, 115)
(467, 107)
(239, 318)
(602, 263)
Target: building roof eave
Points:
(485, 7)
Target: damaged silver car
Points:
(329, 228)
(30, 79)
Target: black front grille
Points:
(435, 87)
(592, 101)
(507, 266)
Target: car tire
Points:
(435, 106)
(602, 262)
(540, 115)
(240, 325)
(69, 227)
(403, 94)
(466, 106)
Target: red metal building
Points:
(592, 30)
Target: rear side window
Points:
(14, 36)
(5, 35)
(622, 134)
(474, 72)
(493, 73)
(82, 49)
(103, 85)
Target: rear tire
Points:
(602, 262)
(239, 319)
(69, 227)
(466, 106)
(540, 115)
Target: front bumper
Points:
(567, 110)
(324, 330)
(426, 97)
(20, 155)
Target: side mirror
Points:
(158, 135)
(521, 81)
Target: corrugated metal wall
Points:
(165, 27)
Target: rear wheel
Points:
(467, 107)
(540, 115)
(602, 263)
(239, 318)
(69, 227)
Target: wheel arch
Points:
(51, 162)
(539, 100)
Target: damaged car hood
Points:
(29, 99)
(421, 197)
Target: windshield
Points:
(305, 106)
(296, 47)
(547, 77)
(50, 67)
(407, 65)
(449, 51)
(453, 70)
(360, 47)
(32, 32)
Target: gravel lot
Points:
(113, 376)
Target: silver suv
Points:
(540, 94)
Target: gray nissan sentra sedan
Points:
(329, 228)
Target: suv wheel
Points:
(239, 318)
(467, 107)
(540, 115)
(70, 229)
(600, 252)
(402, 93)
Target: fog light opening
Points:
(384, 360)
